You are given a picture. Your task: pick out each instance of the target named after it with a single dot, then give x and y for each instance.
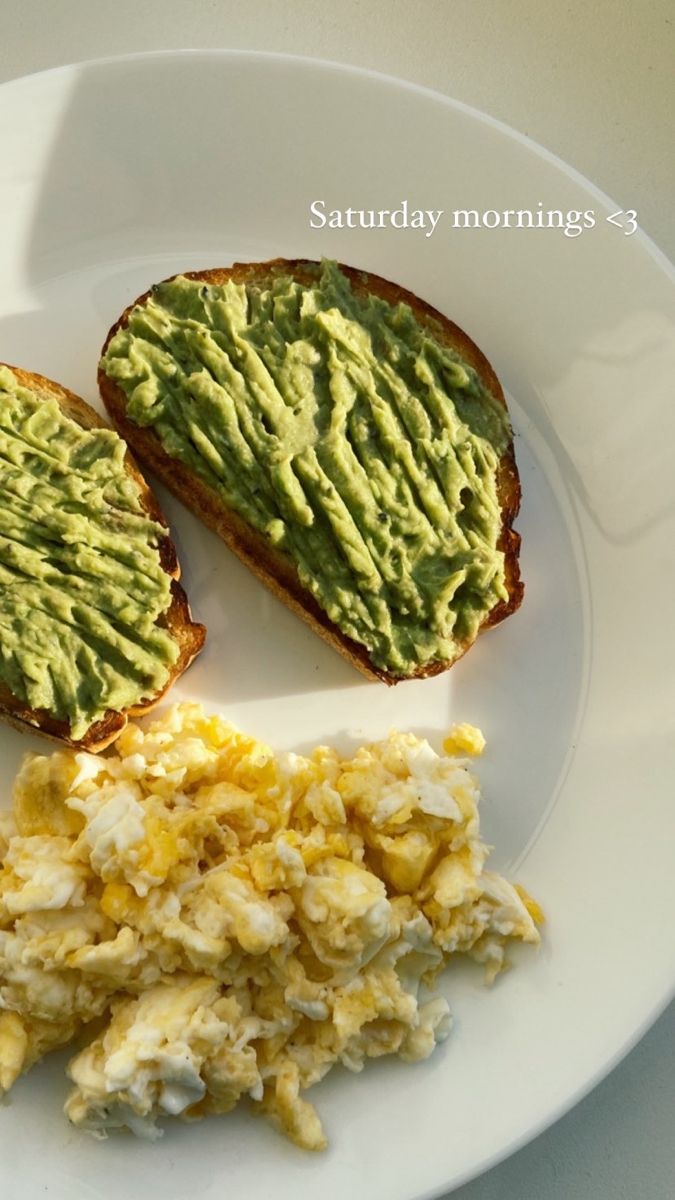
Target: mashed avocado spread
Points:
(337, 426)
(81, 583)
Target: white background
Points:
(595, 84)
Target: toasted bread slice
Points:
(177, 620)
(274, 568)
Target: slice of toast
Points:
(176, 619)
(276, 569)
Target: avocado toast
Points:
(348, 442)
(94, 625)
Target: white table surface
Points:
(595, 84)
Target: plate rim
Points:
(307, 60)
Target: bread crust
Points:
(274, 569)
(188, 634)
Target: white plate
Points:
(117, 173)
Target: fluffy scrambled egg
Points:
(226, 922)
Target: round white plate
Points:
(118, 173)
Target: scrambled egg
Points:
(224, 922)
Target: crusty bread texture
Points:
(177, 619)
(276, 569)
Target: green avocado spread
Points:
(81, 582)
(346, 434)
